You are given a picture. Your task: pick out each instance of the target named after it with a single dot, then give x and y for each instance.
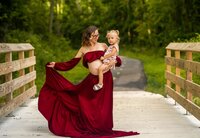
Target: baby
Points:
(109, 58)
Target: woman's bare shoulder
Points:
(103, 45)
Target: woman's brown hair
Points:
(87, 34)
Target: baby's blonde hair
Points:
(113, 31)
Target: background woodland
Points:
(54, 28)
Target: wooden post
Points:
(22, 71)
(177, 56)
(189, 74)
(31, 68)
(169, 67)
(8, 77)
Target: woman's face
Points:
(94, 36)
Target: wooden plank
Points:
(189, 46)
(175, 79)
(193, 88)
(187, 104)
(187, 65)
(8, 47)
(180, 63)
(6, 88)
(193, 67)
(11, 105)
(184, 84)
(16, 65)
(12, 85)
(20, 81)
(170, 61)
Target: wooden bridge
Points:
(153, 115)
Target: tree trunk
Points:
(51, 16)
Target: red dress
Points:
(76, 110)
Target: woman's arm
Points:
(64, 66)
(80, 52)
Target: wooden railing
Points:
(181, 68)
(17, 75)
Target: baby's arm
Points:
(113, 52)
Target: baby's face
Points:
(112, 38)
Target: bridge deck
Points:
(150, 114)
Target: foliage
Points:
(146, 27)
(23, 15)
(147, 23)
(166, 21)
(195, 38)
(78, 15)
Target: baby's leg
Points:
(101, 70)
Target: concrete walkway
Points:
(153, 116)
(150, 114)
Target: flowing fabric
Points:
(76, 110)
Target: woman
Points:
(76, 110)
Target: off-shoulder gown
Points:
(76, 110)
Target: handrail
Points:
(180, 69)
(17, 75)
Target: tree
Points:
(51, 16)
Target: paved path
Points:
(134, 109)
(130, 76)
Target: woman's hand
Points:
(112, 63)
(51, 64)
(102, 58)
